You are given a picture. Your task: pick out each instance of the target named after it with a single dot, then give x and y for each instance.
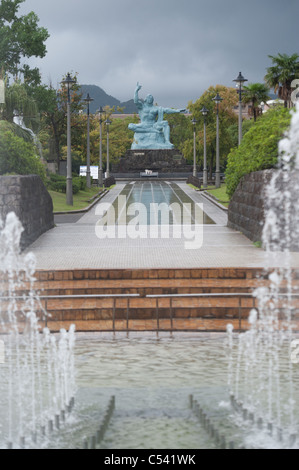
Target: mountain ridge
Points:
(101, 98)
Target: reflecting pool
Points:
(158, 199)
(152, 379)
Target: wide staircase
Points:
(157, 299)
(149, 300)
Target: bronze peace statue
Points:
(152, 132)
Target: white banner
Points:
(93, 171)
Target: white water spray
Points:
(263, 377)
(37, 377)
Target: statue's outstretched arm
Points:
(173, 111)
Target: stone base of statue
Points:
(162, 161)
(152, 139)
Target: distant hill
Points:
(101, 98)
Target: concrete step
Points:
(180, 306)
(145, 282)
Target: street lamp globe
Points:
(204, 111)
(68, 81)
(240, 79)
(217, 99)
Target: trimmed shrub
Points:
(19, 157)
(58, 183)
(259, 147)
(76, 185)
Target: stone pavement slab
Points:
(76, 246)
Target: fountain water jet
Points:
(263, 369)
(33, 360)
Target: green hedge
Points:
(58, 183)
(259, 147)
(19, 157)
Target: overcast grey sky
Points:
(175, 48)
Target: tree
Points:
(227, 117)
(20, 38)
(54, 111)
(18, 103)
(255, 93)
(180, 129)
(281, 75)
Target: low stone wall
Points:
(109, 181)
(194, 180)
(31, 202)
(246, 212)
(163, 161)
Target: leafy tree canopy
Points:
(259, 147)
(227, 118)
(53, 105)
(255, 94)
(18, 102)
(281, 74)
(20, 37)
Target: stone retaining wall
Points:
(31, 202)
(109, 181)
(247, 206)
(194, 180)
(163, 161)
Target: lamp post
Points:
(68, 82)
(88, 100)
(240, 80)
(100, 173)
(107, 122)
(217, 100)
(204, 112)
(194, 147)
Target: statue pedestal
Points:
(162, 161)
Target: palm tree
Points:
(255, 93)
(281, 75)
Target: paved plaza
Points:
(73, 244)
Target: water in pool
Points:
(154, 197)
(152, 379)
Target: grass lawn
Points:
(220, 194)
(80, 200)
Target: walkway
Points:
(76, 246)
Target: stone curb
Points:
(213, 200)
(82, 211)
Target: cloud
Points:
(175, 49)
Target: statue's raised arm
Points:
(137, 101)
